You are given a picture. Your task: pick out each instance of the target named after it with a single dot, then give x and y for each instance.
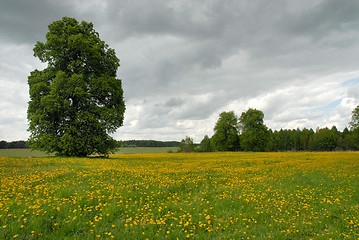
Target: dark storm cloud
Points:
(327, 17)
(23, 21)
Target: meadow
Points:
(181, 196)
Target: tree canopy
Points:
(354, 126)
(225, 136)
(254, 134)
(187, 145)
(76, 101)
(354, 123)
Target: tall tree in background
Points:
(205, 145)
(354, 126)
(76, 102)
(254, 134)
(324, 140)
(187, 145)
(354, 123)
(226, 136)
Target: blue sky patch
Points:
(327, 108)
(351, 82)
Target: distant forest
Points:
(129, 143)
(148, 143)
(13, 144)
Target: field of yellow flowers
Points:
(182, 196)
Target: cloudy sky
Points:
(183, 61)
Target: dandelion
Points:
(206, 195)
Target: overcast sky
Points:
(183, 62)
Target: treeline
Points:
(249, 133)
(148, 143)
(323, 139)
(127, 143)
(13, 144)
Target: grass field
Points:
(184, 196)
(129, 150)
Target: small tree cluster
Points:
(247, 132)
(187, 145)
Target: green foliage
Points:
(76, 101)
(355, 138)
(226, 136)
(345, 141)
(354, 123)
(205, 145)
(13, 144)
(291, 140)
(354, 126)
(324, 140)
(187, 145)
(254, 134)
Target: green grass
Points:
(21, 153)
(184, 196)
(130, 150)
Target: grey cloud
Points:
(174, 102)
(354, 91)
(326, 17)
(192, 59)
(189, 18)
(25, 21)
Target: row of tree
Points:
(148, 143)
(13, 144)
(249, 133)
(127, 143)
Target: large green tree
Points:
(254, 134)
(76, 101)
(354, 123)
(354, 127)
(226, 136)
